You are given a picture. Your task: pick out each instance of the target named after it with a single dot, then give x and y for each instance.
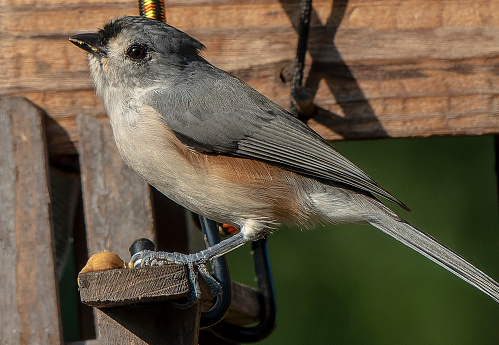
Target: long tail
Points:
(428, 246)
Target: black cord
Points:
(300, 99)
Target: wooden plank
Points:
(123, 296)
(118, 287)
(244, 306)
(149, 324)
(233, 49)
(29, 299)
(125, 315)
(370, 66)
(122, 287)
(116, 200)
(462, 95)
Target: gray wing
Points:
(221, 114)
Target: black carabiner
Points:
(268, 306)
(221, 273)
(267, 298)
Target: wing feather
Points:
(221, 114)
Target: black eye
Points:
(137, 52)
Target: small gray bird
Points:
(216, 146)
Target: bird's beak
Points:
(90, 42)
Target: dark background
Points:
(356, 285)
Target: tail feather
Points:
(435, 251)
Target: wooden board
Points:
(156, 324)
(116, 200)
(123, 296)
(28, 289)
(118, 287)
(124, 315)
(388, 68)
(123, 287)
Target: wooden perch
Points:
(122, 296)
(119, 287)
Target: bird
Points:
(216, 146)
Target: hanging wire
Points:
(300, 100)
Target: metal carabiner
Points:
(267, 298)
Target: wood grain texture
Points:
(116, 200)
(28, 298)
(149, 324)
(244, 305)
(124, 287)
(388, 68)
(119, 287)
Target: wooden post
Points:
(123, 298)
(116, 294)
(152, 324)
(116, 200)
(28, 289)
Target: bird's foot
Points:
(195, 263)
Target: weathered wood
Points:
(28, 297)
(149, 324)
(244, 305)
(116, 200)
(388, 68)
(125, 317)
(121, 287)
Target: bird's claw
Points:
(195, 264)
(153, 258)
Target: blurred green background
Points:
(356, 285)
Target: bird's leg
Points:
(196, 261)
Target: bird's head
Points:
(134, 52)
